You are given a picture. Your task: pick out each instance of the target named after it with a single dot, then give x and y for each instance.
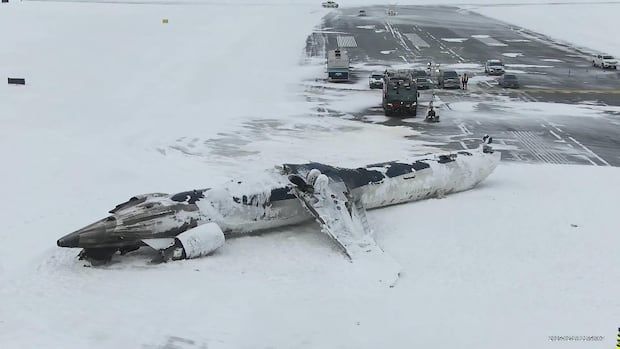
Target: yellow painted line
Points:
(567, 91)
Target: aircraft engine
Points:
(199, 241)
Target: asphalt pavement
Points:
(461, 40)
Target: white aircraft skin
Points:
(156, 219)
(465, 172)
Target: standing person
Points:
(465, 81)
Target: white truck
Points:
(330, 4)
(494, 67)
(604, 61)
(337, 65)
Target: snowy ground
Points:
(118, 103)
(497, 260)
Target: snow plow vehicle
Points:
(400, 93)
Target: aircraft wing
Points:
(343, 218)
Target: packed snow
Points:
(512, 54)
(118, 103)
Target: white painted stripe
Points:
(489, 41)
(542, 147)
(416, 40)
(590, 151)
(588, 159)
(538, 148)
(555, 135)
(556, 127)
(464, 129)
(346, 41)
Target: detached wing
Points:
(343, 218)
(340, 218)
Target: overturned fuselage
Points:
(193, 223)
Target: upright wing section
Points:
(343, 218)
(340, 217)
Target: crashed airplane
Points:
(194, 223)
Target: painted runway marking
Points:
(555, 126)
(398, 36)
(537, 147)
(441, 45)
(555, 135)
(464, 129)
(530, 97)
(346, 41)
(589, 151)
(587, 158)
(572, 91)
(458, 40)
(416, 40)
(489, 41)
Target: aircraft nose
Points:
(71, 240)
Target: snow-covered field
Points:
(478, 267)
(118, 103)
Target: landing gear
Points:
(97, 256)
(172, 253)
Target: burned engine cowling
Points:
(197, 242)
